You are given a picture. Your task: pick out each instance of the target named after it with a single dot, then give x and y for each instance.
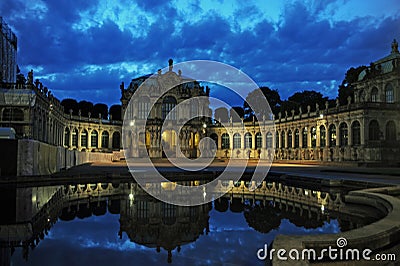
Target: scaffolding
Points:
(8, 53)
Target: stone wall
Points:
(38, 158)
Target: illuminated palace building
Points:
(365, 130)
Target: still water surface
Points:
(120, 224)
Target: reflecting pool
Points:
(120, 224)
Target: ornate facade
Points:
(140, 113)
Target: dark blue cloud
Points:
(303, 47)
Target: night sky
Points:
(84, 49)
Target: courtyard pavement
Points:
(383, 175)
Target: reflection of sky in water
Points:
(95, 241)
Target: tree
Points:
(237, 113)
(346, 89)
(70, 104)
(304, 99)
(257, 100)
(115, 112)
(85, 108)
(221, 114)
(100, 108)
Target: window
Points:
(258, 140)
(104, 139)
(142, 209)
(390, 131)
(373, 130)
(93, 138)
(75, 138)
(313, 137)
(305, 137)
(269, 140)
(289, 139)
(322, 136)
(116, 140)
(296, 138)
(237, 141)
(389, 94)
(374, 95)
(283, 142)
(248, 141)
(84, 139)
(169, 103)
(355, 133)
(143, 106)
(225, 141)
(343, 135)
(332, 135)
(169, 213)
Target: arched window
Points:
(289, 139)
(94, 139)
(84, 138)
(168, 104)
(248, 141)
(74, 138)
(296, 138)
(66, 137)
(283, 138)
(225, 141)
(390, 131)
(322, 136)
(304, 137)
(355, 133)
(237, 141)
(269, 140)
(389, 95)
(214, 137)
(258, 140)
(332, 135)
(373, 130)
(374, 95)
(13, 114)
(104, 139)
(116, 140)
(313, 137)
(343, 135)
(143, 107)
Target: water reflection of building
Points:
(156, 224)
(32, 212)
